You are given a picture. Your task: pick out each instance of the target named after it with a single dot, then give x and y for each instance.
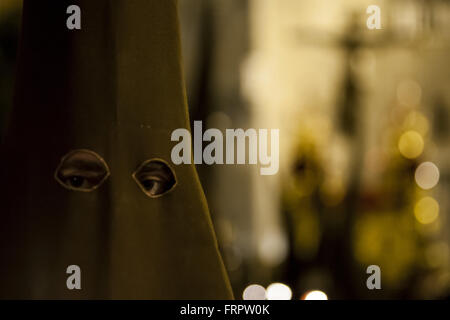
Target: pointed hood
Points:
(87, 178)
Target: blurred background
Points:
(364, 141)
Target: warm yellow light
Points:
(315, 295)
(278, 291)
(254, 292)
(411, 144)
(427, 175)
(426, 210)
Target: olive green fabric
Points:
(115, 87)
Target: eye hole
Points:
(82, 170)
(155, 178)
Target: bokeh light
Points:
(427, 175)
(411, 144)
(254, 292)
(315, 295)
(278, 291)
(426, 210)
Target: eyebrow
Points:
(86, 172)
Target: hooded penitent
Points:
(87, 178)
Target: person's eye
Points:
(153, 185)
(81, 181)
(82, 170)
(77, 181)
(155, 178)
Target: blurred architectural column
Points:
(215, 42)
